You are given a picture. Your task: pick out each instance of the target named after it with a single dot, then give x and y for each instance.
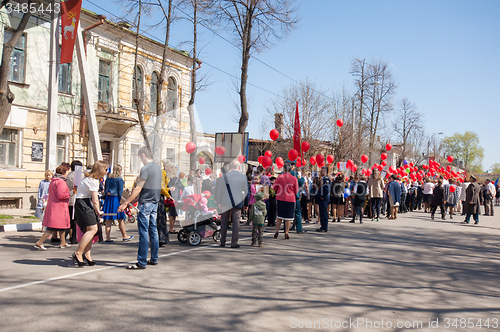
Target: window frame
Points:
(172, 159)
(153, 93)
(171, 93)
(23, 67)
(134, 158)
(12, 144)
(99, 88)
(62, 147)
(137, 82)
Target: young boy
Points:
(257, 217)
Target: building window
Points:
(135, 163)
(104, 76)
(8, 151)
(17, 59)
(171, 97)
(154, 92)
(61, 149)
(65, 78)
(137, 91)
(171, 155)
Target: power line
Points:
(144, 32)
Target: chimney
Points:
(278, 122)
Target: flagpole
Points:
(52, 121)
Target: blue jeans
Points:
(475, 216)
(146, 224)
(298, 216)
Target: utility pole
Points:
(87, 96)
(52, 122)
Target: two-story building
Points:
(110, 49)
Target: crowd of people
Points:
(75, 211)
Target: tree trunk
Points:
(245, 58)
(192, 122)
(161, 78)
(6, 96)
(137, 99)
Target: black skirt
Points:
(84, 213)
(286, 210)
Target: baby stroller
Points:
(198, 224)
(129, 216)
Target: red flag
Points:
(296, 132)
(70, 16)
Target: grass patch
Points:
(30, 217)
(5, 217)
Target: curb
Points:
(36, 226)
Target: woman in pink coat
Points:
(56, 217)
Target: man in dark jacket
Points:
(438, 200)
(323, 198)
(472, 201)
(231, 191)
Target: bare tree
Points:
(315, 110)
(344, 141)
(138, 98)
(378, 99)
(256, 23)
(407, 124)
(6, 96)
(192, 123)
(359, 69)
(161, 79)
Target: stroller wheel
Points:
(194, 238)
(131, 219)
(182, 236)
(216, 236)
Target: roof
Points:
(121, 27)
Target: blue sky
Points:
(444, 56)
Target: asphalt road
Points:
(410, 271)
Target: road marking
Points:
(116, 265)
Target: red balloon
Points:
(208, 171)
(380, 168)
(274, 134)
(312, 160)
(321, 164)
(411, 164)
(241, 158)
(383, 163)
(269, 154)
(293, 154)
(201, 160)
(338, 165)
(453, 188)
(388, 146)
(279, 162)
(220, 150)
(340, 123)
(354, 168)
(383, 156)
(267, 161)
(260, 159)
(349, 163)
(299, 162)
(190, 147)
(305, 146)
(364, 158)
(330, 159)
(450, 159)
(320, 159)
